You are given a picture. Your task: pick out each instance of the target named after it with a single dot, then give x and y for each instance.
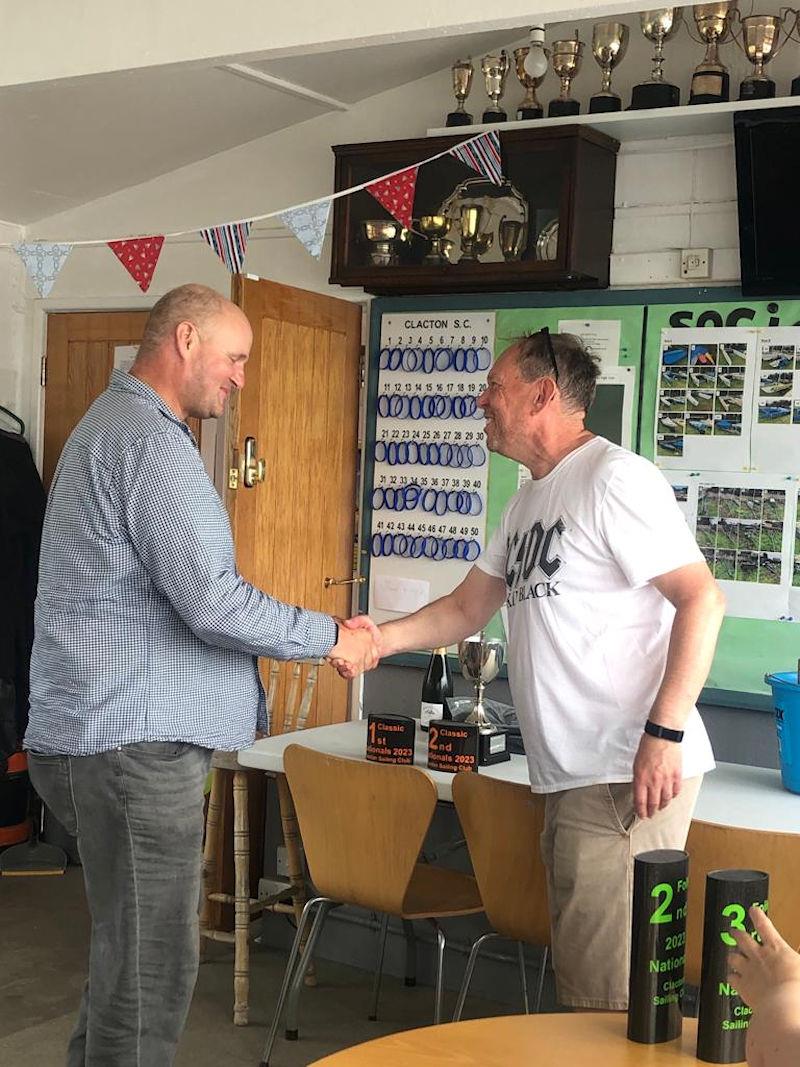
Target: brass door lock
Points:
(249, 470)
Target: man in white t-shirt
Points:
(613, 618)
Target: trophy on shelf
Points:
(495, 69)
(474, 241)
(566, 59)
(481, 658)
(531, 66)
(609, 45)
(759, 39)
(710, 80)
(658, 25)
(462, 71)
(383, 238)
(436, 229)
(512, 234)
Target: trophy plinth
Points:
(494, 69)
(658, 25)
(566, 59)
(609, 45)
(462, 72)
(529, 107)
(710, 80)
(481, 658)
(654, 94)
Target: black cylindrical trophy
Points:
(723, 1017)
(658, 945)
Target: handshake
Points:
(359, 647)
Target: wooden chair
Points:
(502, 823)
(288, 898)
(712, 848)
(363, 826)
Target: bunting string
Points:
(308, 220)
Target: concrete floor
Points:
(44, 932)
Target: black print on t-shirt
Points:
(529, 552)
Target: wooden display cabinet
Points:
(566, 173)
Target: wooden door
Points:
(79, 359)
(300, 402)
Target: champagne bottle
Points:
(436, 688)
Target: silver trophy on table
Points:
(481, 659)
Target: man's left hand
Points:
(657, 775)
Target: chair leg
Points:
(293, 999)
(523, 978)
(462, 993)
(440, 945)
(315, 902)
(540, 980)
(210, 853)
(383, 929)
(411, 953)
(294, 857)
(241, 866)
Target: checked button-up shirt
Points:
(144, 630)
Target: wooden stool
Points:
(290, 897)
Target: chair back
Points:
(362, 824)
(290, 693)
(502, 822)
(712, 848)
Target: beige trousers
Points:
(590, 838)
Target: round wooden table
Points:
(574, 1039)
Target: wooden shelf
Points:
(652, 125)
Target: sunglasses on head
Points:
(545, 332)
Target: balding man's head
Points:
(194, 350)
(193, 303)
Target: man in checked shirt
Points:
(144, 661)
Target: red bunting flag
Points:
(396, 194)
(138, 256)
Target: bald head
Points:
(193, 351)
(193, 303)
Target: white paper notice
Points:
(705, 399)
(400, 594)
(776, 401)
(600, 336)
(124, 355)
(746, 527)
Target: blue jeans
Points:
(137, 814)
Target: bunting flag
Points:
(43, 260)
(396, 194)
(308, 224)
(483, 155)
(230, 243)
(139, 256)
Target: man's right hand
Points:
(355, 651)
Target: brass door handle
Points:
(254, 470)
(344, 581)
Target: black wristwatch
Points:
(663, 732)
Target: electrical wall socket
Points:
(696, 263)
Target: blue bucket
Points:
(786, 698)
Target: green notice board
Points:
(747, 648)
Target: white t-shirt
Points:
(588, 634)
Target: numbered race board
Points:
(430, 461)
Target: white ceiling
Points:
(72, 141)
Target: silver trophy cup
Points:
(481, 658)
